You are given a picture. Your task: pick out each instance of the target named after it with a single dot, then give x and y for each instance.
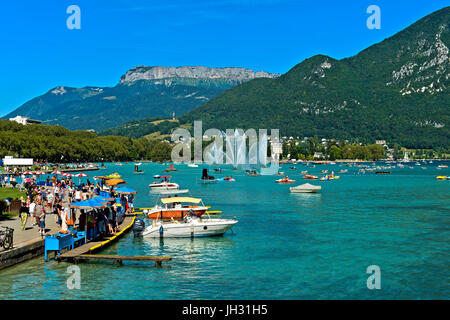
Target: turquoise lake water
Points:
(285, 246)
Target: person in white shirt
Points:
(78, 195)
(64, 215)
(32, 211)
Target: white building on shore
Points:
(10, 161)
(24, 120)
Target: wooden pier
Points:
(157, 259)
(85, 251)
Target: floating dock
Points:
(157, 259)
(84, 252)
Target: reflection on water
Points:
(285, 246)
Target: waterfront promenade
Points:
(27, 243)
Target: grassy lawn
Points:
(11, 193)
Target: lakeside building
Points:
(10, 161)
(24, 120)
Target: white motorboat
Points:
(164, 184)
(192, 165)
(191, 226)
(305, 188)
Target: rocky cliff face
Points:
(142, 92)
(155, 73)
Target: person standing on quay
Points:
(32, 211)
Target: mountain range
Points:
(397, 90)
(141, 93)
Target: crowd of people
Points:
(55, 195)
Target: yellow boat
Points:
(441, 177)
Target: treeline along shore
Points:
(57, 144)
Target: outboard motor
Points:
(138, 227)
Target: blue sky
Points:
(39, 52)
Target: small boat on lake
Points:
(310, 177)
(137, 169)
(251, 173)
(226, 179)
(285, 180)
(164, 184)
(206, 178)
(170, 168)
(305, 188)
(383, 172)
(192, 165)
(191, 226)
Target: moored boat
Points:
(310, 177)
(137, 169)
(305, 188)
(191, 226)
(170, 168)
(285, 180)
(383, 172)
(164, 184)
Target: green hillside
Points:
(396, 90)
(57, 144)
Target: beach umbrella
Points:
(81, 175)
(103, 200)
(87, 204)
(125, 190)
(114, 182)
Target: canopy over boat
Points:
(114, 182)
(307, 186)
(103, 200)
(180, 199)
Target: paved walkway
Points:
(23, 237)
